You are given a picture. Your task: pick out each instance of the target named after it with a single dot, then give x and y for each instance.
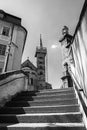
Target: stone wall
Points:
(11, 85)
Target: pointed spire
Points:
(41, 45)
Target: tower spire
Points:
(41, 45)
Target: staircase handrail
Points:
(78, 86)
(80, 91)
(82, 98)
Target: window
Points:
(2, 49)
(40, 57)
(40, 67)
(0, 70)
(41, 73)
(5, 31)
(40, 62)
(31, 81)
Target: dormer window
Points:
(5, 31)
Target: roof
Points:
(9, 18)
(41, 49)
(29, 64)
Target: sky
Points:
(46, 17)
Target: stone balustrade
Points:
(12, 83)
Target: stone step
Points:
(56, 90)
(26, 94)
(33, 93)
(42, 103)
(43, 126)
(28, 98)
(42, 118)
(40, 109)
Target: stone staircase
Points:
(43, 110)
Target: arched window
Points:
(41, 67)
(40, 57)
(32, 81)
(41, 73)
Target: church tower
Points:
(40, 55)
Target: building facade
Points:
(12, 42)
(33, 82)
(30, 68)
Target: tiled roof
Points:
(29, 64)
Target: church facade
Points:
(37, 74)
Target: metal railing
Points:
(82, 98)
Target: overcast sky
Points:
(46, 17)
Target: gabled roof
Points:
(29, 64)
